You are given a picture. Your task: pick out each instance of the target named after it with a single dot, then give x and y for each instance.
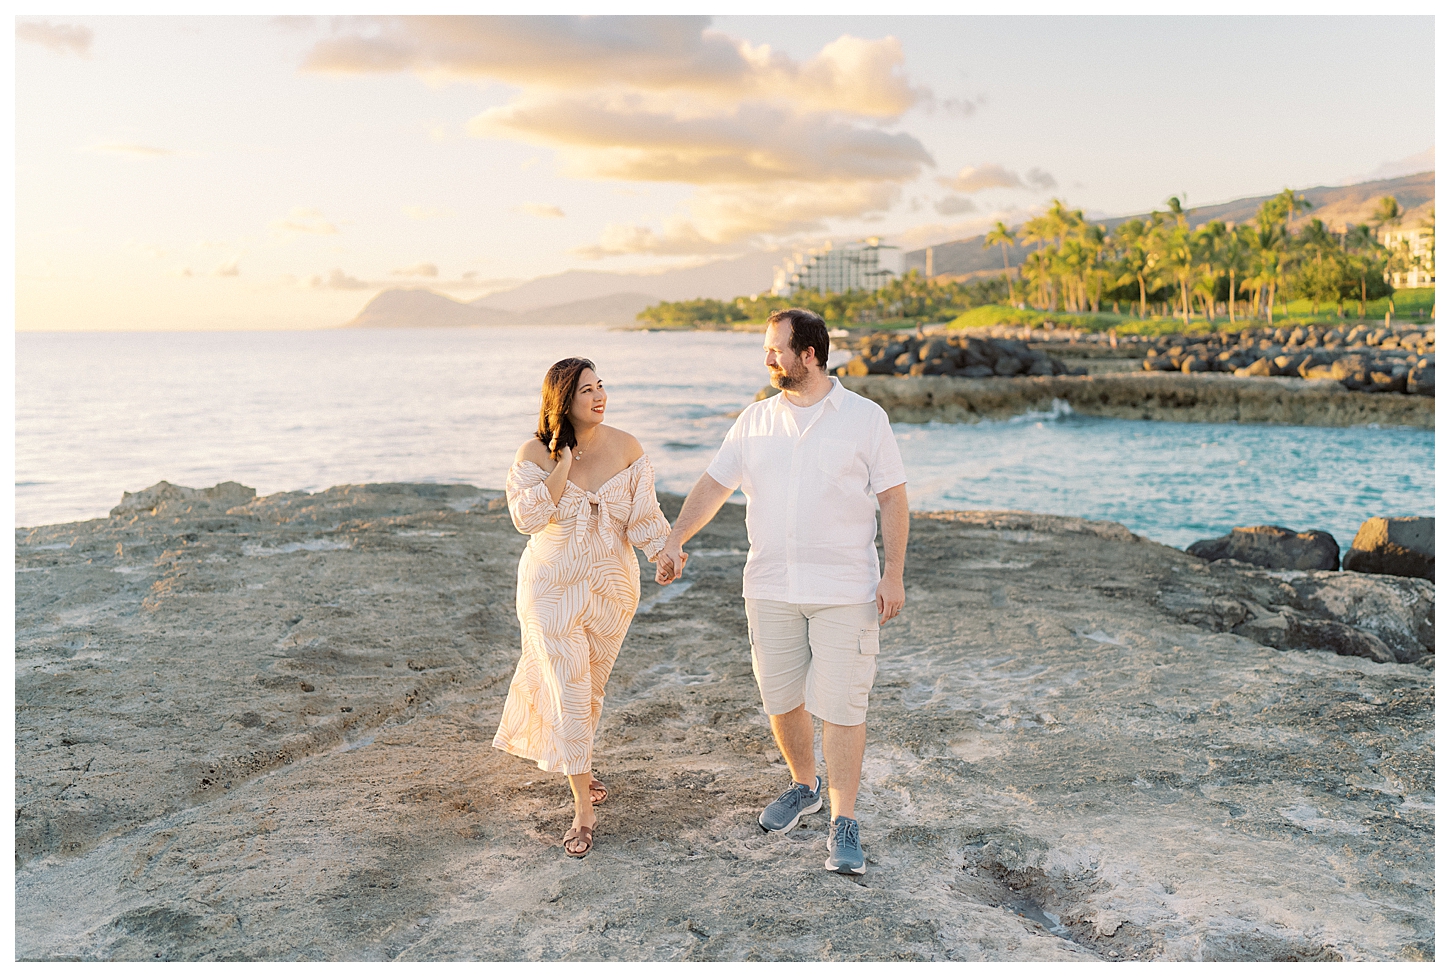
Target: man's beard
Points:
(790, 379)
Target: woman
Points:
(584, 493)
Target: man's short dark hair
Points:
(807, 331)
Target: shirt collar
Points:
(834, 398)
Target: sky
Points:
(272, 173)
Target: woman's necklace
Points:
(578, 450)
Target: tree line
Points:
(1160, 261)
(909, 296)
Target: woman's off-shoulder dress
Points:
(578, 589)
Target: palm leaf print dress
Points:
(578, 588)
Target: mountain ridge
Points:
(419, 308)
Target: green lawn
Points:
(1411, 305)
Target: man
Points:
(809, 462)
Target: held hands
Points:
(670, 562)
(890, 597)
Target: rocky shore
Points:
(1378, 360)
(1142, 396)
(258, 728)
(1373, 359)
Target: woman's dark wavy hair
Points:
(557, 397)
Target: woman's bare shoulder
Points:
(534, 450)
(625, 444)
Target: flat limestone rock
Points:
(1272, 547)
(1402, 547)
(264, 733)
(1211, 397)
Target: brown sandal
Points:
(581, 833)
(598, 793)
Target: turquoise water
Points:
(1174, 482)
(97, 414)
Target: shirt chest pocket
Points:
(836, 456)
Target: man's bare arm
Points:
(895, 525)
(704, 500)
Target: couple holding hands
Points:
(813, 463)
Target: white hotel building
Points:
(1421, 245)
(861, 265)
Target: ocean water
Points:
(97, 414)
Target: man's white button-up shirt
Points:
(810, 495)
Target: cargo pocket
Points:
(865, 671)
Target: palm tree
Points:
(1001, 235)
(1137, 257)
(1234, 253)
(1283, 204)
(1037, 270)
(1387, 211)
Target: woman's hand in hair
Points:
(559, 477)
(563, 456)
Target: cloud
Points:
(131, 150)
(426, 213)
(625, 139)
(1040, 179)
(656, 54)
(227, 269)
(423, 270)
(540, 210)
(339, 279)
(973, 180)
(951, 206)
(303, 220)
(182, 272)
(775, 144)
(730, 219)
(60, 38)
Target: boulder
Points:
(1008, 366)
(857, 367)
(164, 495)
(1352, 371)
(1421, 380)
(1261, 367)
(1272, 547)
(935, 348)
(1399, 547)
(1194, 364)
(1384, 619)
(978, 353)
(1400, 611)
(1387, 382)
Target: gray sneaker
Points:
(844, 844)
(785, 811)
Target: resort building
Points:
(1419, 247)
(861, 265)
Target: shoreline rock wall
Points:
(1143, 396)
